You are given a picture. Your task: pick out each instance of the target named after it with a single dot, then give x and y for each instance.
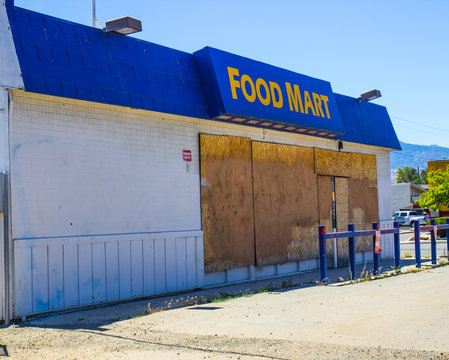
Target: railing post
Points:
(351, 245)
(323, 260)
(417, 244)
(447, 238)
(433, 243)
(375, 255)
(397, 246)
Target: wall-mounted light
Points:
(340, 145)
(370, 95)
(123, 26)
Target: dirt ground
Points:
(402, 317)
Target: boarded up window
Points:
(227, 202)
(262, 202)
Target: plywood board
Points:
(345, 164)
(342, 212)
(364, 209)
(325, 212)
(227, 202)
(361, 170)
(285, 203)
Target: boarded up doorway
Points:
(333, 194)
(285, 207)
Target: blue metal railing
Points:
(351, 234)
(433, 241)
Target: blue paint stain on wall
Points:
(16, 149)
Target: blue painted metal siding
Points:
(366, 123)
(61, 58)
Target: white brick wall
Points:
(82, 168)
(85, 168)
(82, 172)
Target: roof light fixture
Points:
(123, 26)
(369, 95)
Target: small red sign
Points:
(187, 155)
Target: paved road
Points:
(408, 247)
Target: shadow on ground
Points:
(204, 299)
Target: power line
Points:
(419, 124)
(404, 128)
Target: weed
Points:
(407, 255)
(363, 274)
(286, 284)
(267, 288)
(310, 282)
(139, 315)
(367, 276)
(225, 296)
(171, 304)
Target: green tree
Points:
(408, 175)
(438, 194)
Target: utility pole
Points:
(93, 14)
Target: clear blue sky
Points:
(400, 47)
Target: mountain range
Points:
(413, 155)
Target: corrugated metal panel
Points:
(52, 274)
